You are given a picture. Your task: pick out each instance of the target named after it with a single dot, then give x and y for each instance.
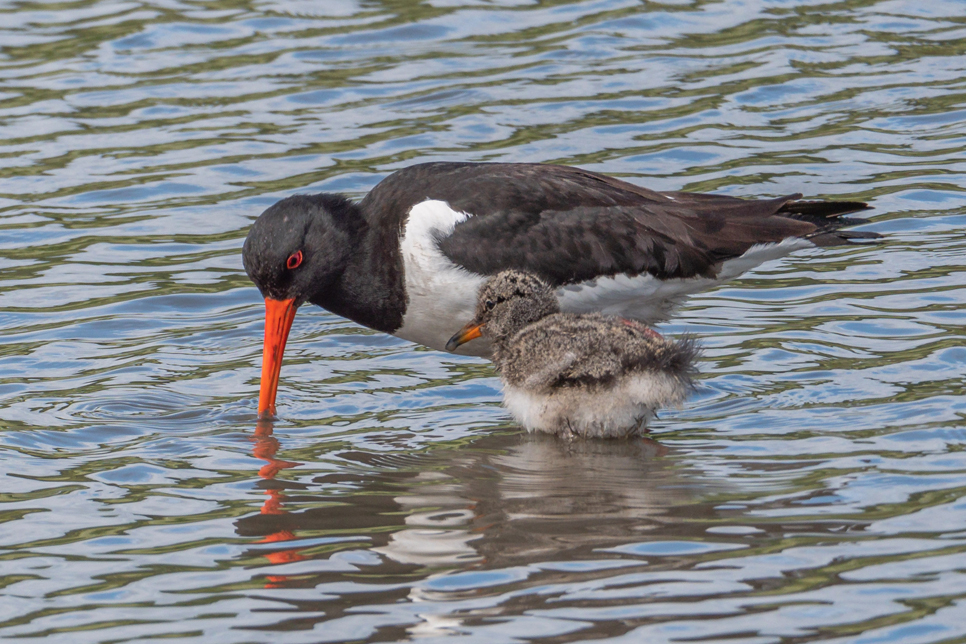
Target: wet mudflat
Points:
(813, 488)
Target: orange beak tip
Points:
(469, 332)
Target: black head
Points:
(301, 245)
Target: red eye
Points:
(293, 260)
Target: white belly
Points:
(615, 412)
(651, 300)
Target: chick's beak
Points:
(469, 332)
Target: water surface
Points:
(813, 488)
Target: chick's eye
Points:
(293, 260)
(489, 304)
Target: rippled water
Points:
(814, 488)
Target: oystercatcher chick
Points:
(410, 257)
(590, 375)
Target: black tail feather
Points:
(828, 217)
(808, 210)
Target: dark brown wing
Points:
(828, 217)
(482, 189)
(570, 225)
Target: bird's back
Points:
(591, 350)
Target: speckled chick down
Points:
(578, 375)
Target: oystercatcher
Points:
(410, 257)
(575, 375)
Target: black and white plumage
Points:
(410, 257)
(589, 375)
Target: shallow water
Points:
(813, 488)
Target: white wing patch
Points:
(442, 295)
(758, 255)
(651, 300)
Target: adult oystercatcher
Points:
(575, 375)
(410, 257)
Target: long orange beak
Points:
(469, 332)
(278, 322)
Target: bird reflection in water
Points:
(265, 447)
(506, 499)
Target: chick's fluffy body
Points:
(578, 375)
